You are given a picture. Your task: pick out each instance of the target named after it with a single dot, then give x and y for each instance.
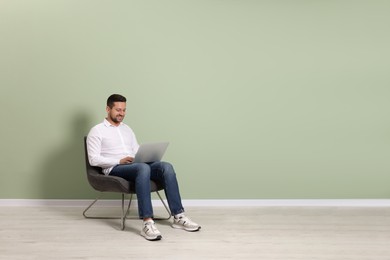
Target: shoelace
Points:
(151, 226)
(185, 220)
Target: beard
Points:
(117, 119)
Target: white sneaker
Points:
(150, 232)
(182, 222)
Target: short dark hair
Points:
(115, 98)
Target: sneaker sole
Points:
(186, 229)
(152, 238)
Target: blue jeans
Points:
(141, 174)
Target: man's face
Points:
(117, 113)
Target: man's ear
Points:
(107, 109)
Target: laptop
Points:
(150, 152)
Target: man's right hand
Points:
(126, 160)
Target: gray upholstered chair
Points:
(104, 183)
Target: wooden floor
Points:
(227, 233)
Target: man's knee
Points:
(143, 170)
(167, 167)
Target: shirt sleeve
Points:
(94, 146)
(133, 143)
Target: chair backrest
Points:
(101, 182)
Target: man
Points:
(112, 146)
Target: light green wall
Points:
(259, 99)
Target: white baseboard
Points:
(210, 203)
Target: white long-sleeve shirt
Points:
(108, 144)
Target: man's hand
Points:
(126, 160)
